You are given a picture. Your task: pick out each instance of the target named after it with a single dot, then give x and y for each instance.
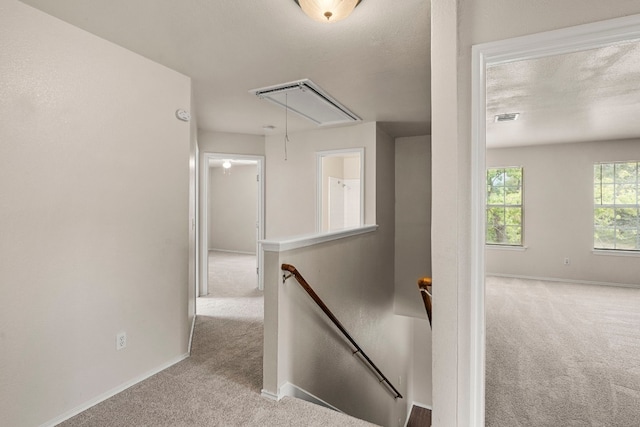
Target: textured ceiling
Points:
(376, 62)
(593, 95)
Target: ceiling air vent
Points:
(506, 117)
(308, 100)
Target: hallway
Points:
(220, 384)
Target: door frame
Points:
(320, 155)
(204, 219)
(567, 40)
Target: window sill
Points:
(506, 248)
(616, 252)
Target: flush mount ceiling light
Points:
(226, 164)
(506, 117)
(327, 11)
(307, 99)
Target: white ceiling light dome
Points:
(327, 11)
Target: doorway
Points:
(233, 202)
(541, 45)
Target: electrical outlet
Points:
(121, 340)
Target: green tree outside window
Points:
(504, 206)
(616, 193)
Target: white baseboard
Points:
(232, 252)
(271, 396)
(293, 390)
(555, 279)
(193, 327)
(104, 396)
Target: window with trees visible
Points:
(504, 206)
(616, 223)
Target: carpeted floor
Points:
(220, 384)
(561, 354)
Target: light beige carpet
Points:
(220, 384)
(561, 354)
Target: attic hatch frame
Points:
(309, 101)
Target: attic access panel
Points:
(309, 101)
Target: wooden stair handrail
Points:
(423, 285)
(305, 285)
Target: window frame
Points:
(615, 206)
(504, 206)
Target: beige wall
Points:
(456, 26)
(193, 208)
(420, 377)
(413, 222)
(413, 253)
(232, 143)
(355, 278)
(233, 209)
(94, 177)
(291, 196)
(558, 213)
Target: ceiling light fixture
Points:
(327, 11)
(226, 164)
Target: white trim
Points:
(313, 239)
(575, 281)
(293, 390)
(204, 222)
(616, 252)
(231, 252)
(104, 396)
(507, 248)
(271, 396)
(197, 240)
(478, 213)
(319, 183)
(567, 40)
(193, 327)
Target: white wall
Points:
(413, 253)
(232, 143)
(291, 197)
(558, 213)
(94, 177)
(413, 223)
(233, 208)
(331, 167)
(355, 278)
(456, 26)
(193, 209)
(341, 167)
(420, 378)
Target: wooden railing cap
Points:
(424, 282)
